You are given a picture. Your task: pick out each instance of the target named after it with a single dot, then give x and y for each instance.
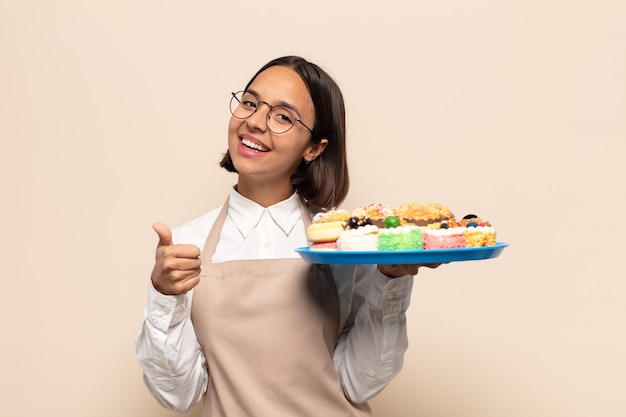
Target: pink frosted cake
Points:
(446, 238)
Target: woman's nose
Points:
(260, 117)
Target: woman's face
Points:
(257, 151)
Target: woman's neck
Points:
(264, 193)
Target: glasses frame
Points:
(234, 97)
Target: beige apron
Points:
(268, 329)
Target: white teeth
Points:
(255, 146)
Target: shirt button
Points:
(389, 296)
(268, 245)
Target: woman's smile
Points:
(253, 145)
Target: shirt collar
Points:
(246, 214)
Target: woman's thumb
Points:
(165, 234)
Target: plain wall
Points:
(113, 115)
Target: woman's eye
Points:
(249, 103)
(284, 116)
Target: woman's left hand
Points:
(395, 271)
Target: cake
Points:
(325, 228)
(408, 237)
(376, 212)
(331, 216)
(363, 238)
(324, 235)
(444, 238)
(477, 231)
(477, 236)
(424, 214)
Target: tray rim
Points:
(420, 256)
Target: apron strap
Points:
(214, 234)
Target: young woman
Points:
(245, 322)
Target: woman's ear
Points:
(314, 150)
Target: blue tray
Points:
(425, 256)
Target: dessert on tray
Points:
(444, 238)
(325, 229)
(408, 237)
(361, 238)
(375, 212)
(478, 232)
(424, 214)
(412, 226)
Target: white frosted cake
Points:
(359, 239)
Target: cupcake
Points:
(424, 214)
(376, 212)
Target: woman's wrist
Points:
(395, 271)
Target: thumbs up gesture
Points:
(177, 267)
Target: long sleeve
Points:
(168, 352)
(371, 347)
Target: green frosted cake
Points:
(407, 237)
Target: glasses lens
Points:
(242, 105)
(280, 119)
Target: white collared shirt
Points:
(369, 352)
(250, 231)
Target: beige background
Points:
(113, 115)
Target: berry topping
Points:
(356, 222)
(472, 224)
(444, 226)
(391, 221)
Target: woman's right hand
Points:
(177, 267)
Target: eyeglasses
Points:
(279, 118)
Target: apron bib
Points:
(268, 330)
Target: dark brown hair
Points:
(324, 182)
